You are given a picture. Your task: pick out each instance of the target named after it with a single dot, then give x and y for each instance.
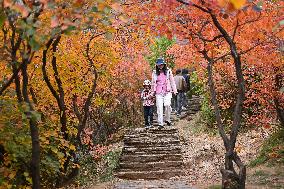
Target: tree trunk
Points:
(277, 100)
(35, 162)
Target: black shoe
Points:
(168, 123)
(160, 126)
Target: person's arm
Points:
(173, 83)
(151, 95)
(184, 84)
(142, 95)
(148, 96)
(153, 83)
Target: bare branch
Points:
(9, 82)
(193, 4)
(238, 25)
(210, 40)
(221, 57)
(236, 28)
(44, 72)
(250, 49)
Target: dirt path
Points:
(204, 154)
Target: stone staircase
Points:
(194, 105)
(151, 154)
(154, 153)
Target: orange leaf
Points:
(7, 3)
(54, 22)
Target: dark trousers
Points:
(178, 99)
(148, 115)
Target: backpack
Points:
(181, 83)
(187, 81)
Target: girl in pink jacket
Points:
(163, 85)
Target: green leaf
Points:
(34, 44)
(95, 9)
(69, 30)
(36, 115)
(108, 36)
(29, 180)
(26, 174)
(55, 31)
(30, 31)
(105, 22)
(278, 25)
(107, 10)
(2, 19)
(54, 149)
(60, 155)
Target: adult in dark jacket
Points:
(186, 76)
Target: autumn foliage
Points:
(71, 72)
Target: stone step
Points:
(149, 152)
(155, 130)
(194, 102)
(165, 125)
(155, 148)
(148, 143)
(139, 141)
(163, 146)
(173, 118)
(159, 174)
(151, 146)
(150, 134)
(153, 137)
(150, 166)
(192, 112)
(193, 109)
(151, 157)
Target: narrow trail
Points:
(153, 158)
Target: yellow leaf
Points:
(72, 147)
(12, 175)
(29, 180)
(55, 150)
(238, 3)
(26, 174)
(76, 165)
(123, 18)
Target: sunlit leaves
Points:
(236, 4)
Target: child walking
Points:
(148, 103)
